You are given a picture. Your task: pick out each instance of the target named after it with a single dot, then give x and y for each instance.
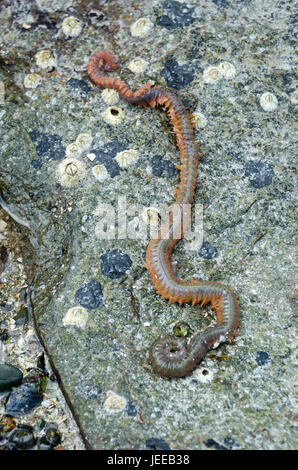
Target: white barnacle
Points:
(71, 26)
(100, 172)
(199, 119)
(114, 402)
(212, 74)
(228, 70)
(32, 80)
(70, 171)
(203, 375)
(113, 115)
(73, 150)
(127, 158)
(268, 101)
(137, 65)
(76, 316)
(141, 27)
(110, 96)
(84, 141)
(3, 225)
(45, 59)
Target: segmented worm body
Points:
(171, 356)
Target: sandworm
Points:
(170, 356)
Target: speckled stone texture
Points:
(241, 396)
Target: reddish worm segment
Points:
(171, 356)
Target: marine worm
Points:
(170, 356)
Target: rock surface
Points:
(10, 376)
(241, 396)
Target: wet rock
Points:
(161, 167)
(21, 317)
(211, 443)
(4, 336)
(111, 165)
(47, 146)
(28, 395)
(177, 76)
(110, 149)
(131, 409)
(51, 437)
(10, 376)
(221, 3)
(34, 135)
(88, 392)
(43, 444)
(208, 251)
(6, 307)
(36, 163)
(157, 444)
(41, 364)
(176, 15)
(94, 392)
(95, 16)
(106, 156)
(260, 173)
(229, 442)
(3, 258)
(23, 400)
(6, 425)
(79, 85)
(262, 358)
(114, 263)
(22, 437)
(90, 295)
